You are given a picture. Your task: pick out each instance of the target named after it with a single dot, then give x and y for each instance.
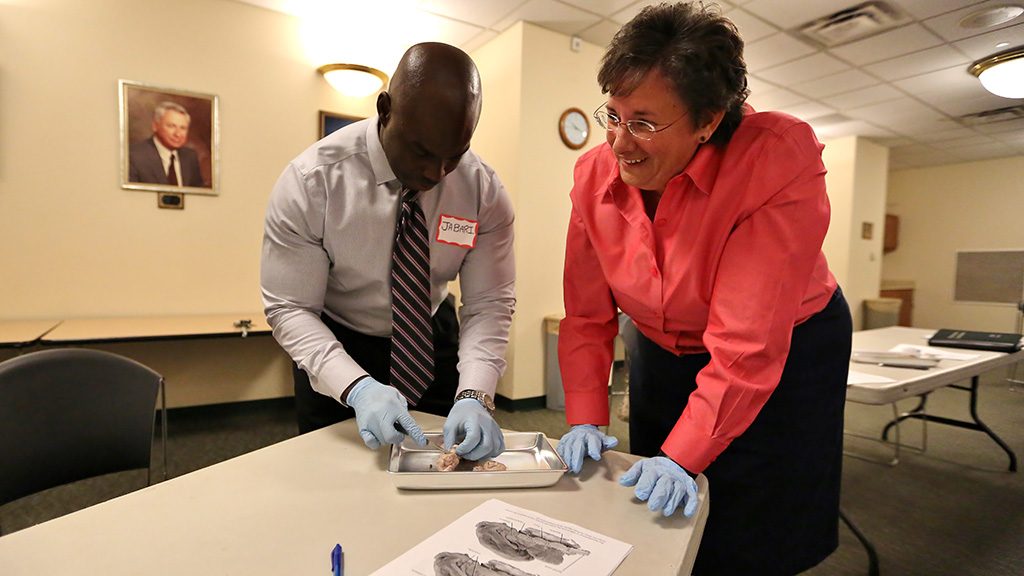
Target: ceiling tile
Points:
(601, 33)
(807, 110)
(627, 13)
(985, 151)
(898, 42)
(788, 14)
(898, 112)
(479, 40)
(983, 45)
(757, 85)
(602, 7)
(953, 143)
(913, 64)
(433, 28)
(1002, 127)
(922, 9)
(774, 50)
(484, 14)
(863, 97)
(751, 27)
(551, 15)
(834, 84)
(852, 128)
(775, 99)
(948, 25)
(958, 132)
(803, 69)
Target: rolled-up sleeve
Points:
(293, 278)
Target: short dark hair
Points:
(697, 49)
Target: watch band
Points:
(483, 398)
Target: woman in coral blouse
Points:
(703, 221)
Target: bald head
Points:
(429, 113)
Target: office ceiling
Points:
(907, 87)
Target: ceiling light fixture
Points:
(991, 16)
(1002, 74)
(353, 80)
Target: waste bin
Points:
(553, 392)
(881, 312)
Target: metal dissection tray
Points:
(530, 460)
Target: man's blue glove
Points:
(472, 427)
(664, 484)
(584, 440)
(379, 409)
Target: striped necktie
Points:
(412, 334)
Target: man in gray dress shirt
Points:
(327, 253)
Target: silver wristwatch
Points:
(482, 397)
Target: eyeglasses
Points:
(640, 129)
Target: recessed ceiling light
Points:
(992, 16)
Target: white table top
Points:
(281, 509)
(23, 332)
(911, 382)
(134, 328)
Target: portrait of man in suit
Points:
(164, 158)
(168, 139)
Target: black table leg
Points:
(873, 568)
(975, 424)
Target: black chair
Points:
(69, 414)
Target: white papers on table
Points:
(499, 538)
(931, 352)
(855, 377)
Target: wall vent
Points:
(851, 24)
(993, 116)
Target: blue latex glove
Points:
(584, 440)
(380, 410)
(470, 425)
(664, 484)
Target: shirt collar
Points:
(164, 152)
(382, 171)
(702, 170)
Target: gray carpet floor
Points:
(953, 509)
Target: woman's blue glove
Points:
(380, 410)
(472, 427)
(664, 484)
(582, 440)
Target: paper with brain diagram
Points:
(499, 539)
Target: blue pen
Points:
(338, 561)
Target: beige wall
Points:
(73, 244)
(856, 181)
(970, 206)
(530, 77)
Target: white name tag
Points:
(457, 231)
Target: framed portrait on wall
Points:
(169, 139)
(330, 121)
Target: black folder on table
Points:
(994, 341)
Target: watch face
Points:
(574, 128)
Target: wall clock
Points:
(574, 128)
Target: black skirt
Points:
(774, 491)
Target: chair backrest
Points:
(69, 414)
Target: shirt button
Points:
(654, 271)
(660, 222)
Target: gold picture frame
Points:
(331, 121)
(161, 128)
